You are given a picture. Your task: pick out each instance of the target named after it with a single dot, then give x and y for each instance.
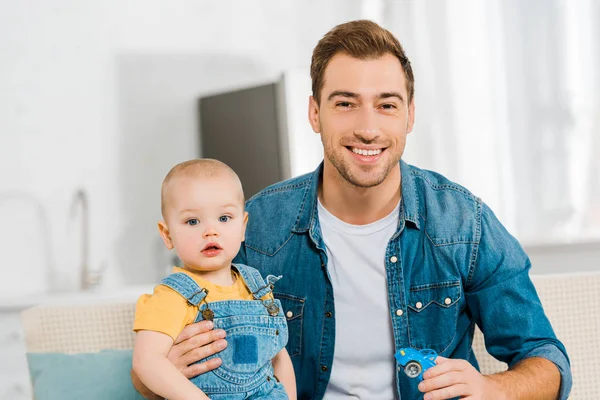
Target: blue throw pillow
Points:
(90, 376)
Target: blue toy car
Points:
(416, 362)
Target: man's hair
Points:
(362, 39)
(201, 168)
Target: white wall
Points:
(102, 96)
(563, 258)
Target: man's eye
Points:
(388, 106)
(192, 221)
(343, 104)
(224, 218)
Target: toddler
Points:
(204, 220)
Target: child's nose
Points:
(210, 231)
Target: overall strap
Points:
(255, 282)
(185, 286)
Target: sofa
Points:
(98, 339)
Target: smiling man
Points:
(379, 255)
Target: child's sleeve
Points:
(164, 311)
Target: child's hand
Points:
(195, 342)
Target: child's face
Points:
(205, 221)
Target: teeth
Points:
(366, 152)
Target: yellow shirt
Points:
(168, 312)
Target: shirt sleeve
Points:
(505, 305)
(163, 311)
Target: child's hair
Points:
(199, 168)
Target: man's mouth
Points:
(365, 152)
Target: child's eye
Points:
(192, 221)
(224, 218)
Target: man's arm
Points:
(531, 379)
(196, 341)
(503, 302)
(505, 305)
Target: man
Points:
(378, 255)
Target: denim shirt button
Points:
(448, 300)
(289, 314)
(419, 305)
(399, 312)
(393, 259)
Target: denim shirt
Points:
(450, 265)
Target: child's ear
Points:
(245, 224)
(163, 229)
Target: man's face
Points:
(363, 117)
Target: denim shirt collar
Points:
(308, 209)
(410, 195)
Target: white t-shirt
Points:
(363, 364)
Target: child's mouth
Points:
(211, 249)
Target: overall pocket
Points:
(249, 348)
(432, 315)
(293, 308)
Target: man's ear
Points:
(313, 114)
(163, 229)
(245, 224)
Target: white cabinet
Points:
(14, 375)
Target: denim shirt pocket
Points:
(432, 315)
(293, 309)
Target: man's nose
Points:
(366, 128)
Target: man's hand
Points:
(456, 378)
(195, 342)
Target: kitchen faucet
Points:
(89, 278)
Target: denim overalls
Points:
(256, 332)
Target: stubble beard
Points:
(369, 176)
